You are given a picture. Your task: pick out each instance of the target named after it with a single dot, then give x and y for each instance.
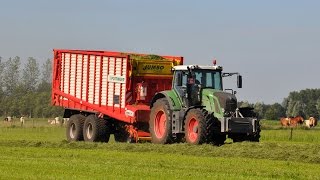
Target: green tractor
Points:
(197, 110)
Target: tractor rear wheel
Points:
(95, 129)
(75, 127)
(160, 126)
(195, 127)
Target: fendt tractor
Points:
(147, 97)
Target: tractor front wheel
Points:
(195, 127)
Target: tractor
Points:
(197, 109)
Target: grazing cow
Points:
(22, 120)
(296, 120)
(285, 122)
(54, 121)
(311, 122)
(8, 119)
(291, 121)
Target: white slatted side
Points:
(123, 93)
(118, 86)
(111, 84)
(66, 69)
(79, 77)
(104, 81)
(85, 78)
(97, 80)
(62, 72)
(91, 79)
(72, 74)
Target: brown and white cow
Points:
(311, 122)
(291, 121)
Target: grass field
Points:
(40, 151)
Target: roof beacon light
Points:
(214, 62)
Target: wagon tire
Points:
(74, 129)
(96, 129)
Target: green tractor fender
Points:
(172, 98)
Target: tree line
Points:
(26, 88)
(305, 103)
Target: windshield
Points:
(208, 78)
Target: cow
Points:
(8, 119)
(54, 121)
(285, 122)
(296, 120)
(311, 122)
(291, 121)
(22, 120)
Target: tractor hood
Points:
(223, 102)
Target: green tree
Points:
(298, 109)
(46, 76)
(275, 111)
(11, 75)
(260, 109)
(31, 75)
(244, 104)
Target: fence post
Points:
(291, 130)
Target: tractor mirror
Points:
(239, 81)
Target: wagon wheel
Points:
(74, 128)
(96, 129)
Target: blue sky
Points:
(275, 45)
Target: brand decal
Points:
(117, 79)
(153, 67)
(129, 113)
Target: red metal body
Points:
(113, 84)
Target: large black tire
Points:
(95, 129)
(256, 136)
(160, 123)
(214, 135)
(74, 128)
(195, 127)
(121, 134)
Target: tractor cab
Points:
(189, 81)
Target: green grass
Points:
(81, 160)
(62, 163)
(40, 151)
